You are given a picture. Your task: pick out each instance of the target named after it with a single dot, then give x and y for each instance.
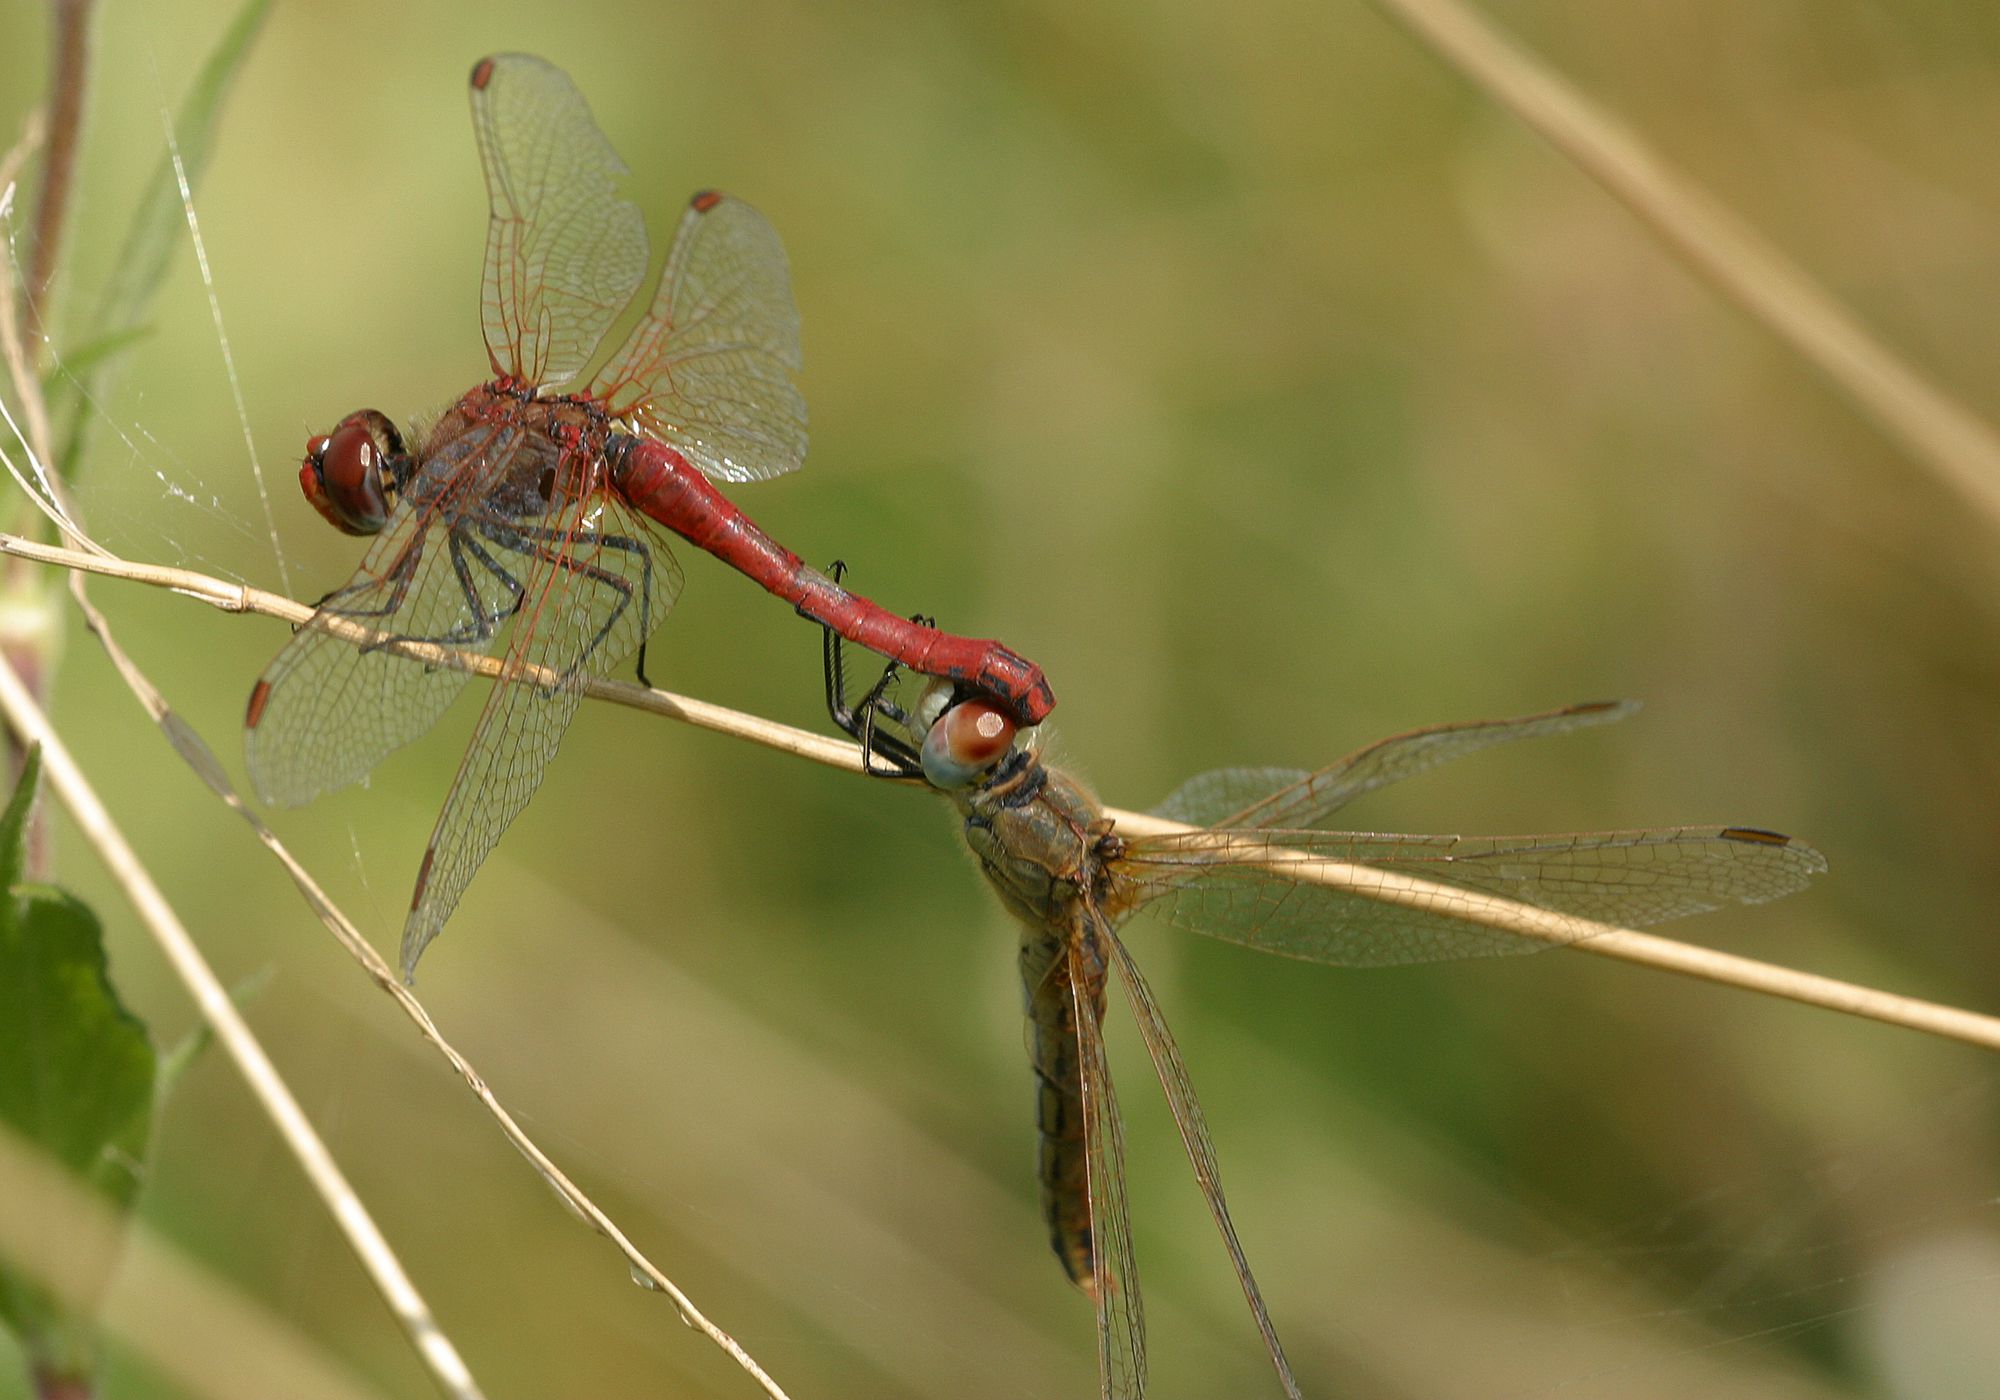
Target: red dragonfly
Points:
(1071, 878)
(530, 505)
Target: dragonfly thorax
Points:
(532, 457)
(1035, 832)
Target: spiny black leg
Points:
(520, 539)
(830, 672)
(899, 757)
(883, 755)
(400, 576)
(479, 625)
(873, 742)
(859, 723)
(514, 537)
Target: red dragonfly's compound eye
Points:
(349, 474)
(968, 739)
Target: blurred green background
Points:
(1275, 393)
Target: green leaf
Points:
(76, 1068)
(76, 1077)
(157, 224)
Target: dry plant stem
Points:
(1941, 433)
(19, 370)
(69, 76)
(198, 756)
(196, 1329)
(1521, 920)
(241, 598)
(30, 724)
(25, 632)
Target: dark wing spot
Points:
(1751, 833)
(423, 878)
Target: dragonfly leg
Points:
(400, 576)
(480, 624)
(534, 541)
(899, 759)
(895, 757)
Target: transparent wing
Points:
(1193, 1127)
(595, 590)
(327, 710)
(1215, 797)
(709, 370)
(564, 253)
(1114, 1276)
(1224, 884)
(1292, 797)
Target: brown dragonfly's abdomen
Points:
(1061, 1166)
(1029, 827)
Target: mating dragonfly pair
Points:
(533, 514)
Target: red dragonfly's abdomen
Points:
(659, 481)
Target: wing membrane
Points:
(564, 253)
(1172, 1071)
(709, 370)
(1222, 884)
(1292, 797)
(1114, 1277)
(595, 590)
(332, 710)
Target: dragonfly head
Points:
(353, 474)
(960, 738)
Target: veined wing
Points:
(709, 370)
(1229, 885)
(564, 253)
(328, 709)
(1186, 1108)
(1292, 797)
(595, 588)
(1114, 1275)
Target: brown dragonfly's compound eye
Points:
(967, 740)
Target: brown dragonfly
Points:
(1064, 871)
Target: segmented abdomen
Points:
(1061, 1167)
